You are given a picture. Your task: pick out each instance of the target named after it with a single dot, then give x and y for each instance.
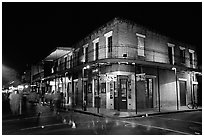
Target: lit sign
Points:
(111, 78)
(20, 87)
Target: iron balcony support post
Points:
(158, 89)
(98, 90)
(135, 90)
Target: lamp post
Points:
(65, 87)
(82, 86)
(135, 89)
(83, 97)
(176, 89)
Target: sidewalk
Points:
(132, 113)
(102, 112)
(28, 111)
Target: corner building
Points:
(124, 66)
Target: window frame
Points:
(170, 45)
(107, 35)
(140, 48)
(182, 54)
(193, 57)
(85, 53)
(94, 42)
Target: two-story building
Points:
(123, 65)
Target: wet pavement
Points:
(76, 123)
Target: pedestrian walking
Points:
(57, 101)
(14, 98)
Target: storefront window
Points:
(111, 90)
(129, 90)
(103, 87)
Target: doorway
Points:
(182, 85)
(123, 94)
(120, 96)
(149, 93)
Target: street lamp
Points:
(176, 88)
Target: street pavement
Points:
(78, 123)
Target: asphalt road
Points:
(74, 123)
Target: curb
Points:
(161, 113)
(139, 115)
(87, 112)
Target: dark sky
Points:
(31, 30)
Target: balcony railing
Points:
(131, 51)
(38, 76)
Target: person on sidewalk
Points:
(57, 101)
(51, 100)
(14, 102)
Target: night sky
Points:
(32, 30)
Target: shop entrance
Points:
(123, 94)
(182, 85)
(120, 96)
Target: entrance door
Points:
(149, 93)
(76, 93)
(182, 85)
(123, 94)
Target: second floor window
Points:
(71, 61)
(182, 55)
(96, 48)
(191, 57)
(59, 65)
(85, 52)
(65, 62)
(140, 44)
(109, 43)
(171, 53)
(77, 57)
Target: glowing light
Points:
(88, 67)
(26, 86)
(174, 69)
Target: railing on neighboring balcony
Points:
(38, 76)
